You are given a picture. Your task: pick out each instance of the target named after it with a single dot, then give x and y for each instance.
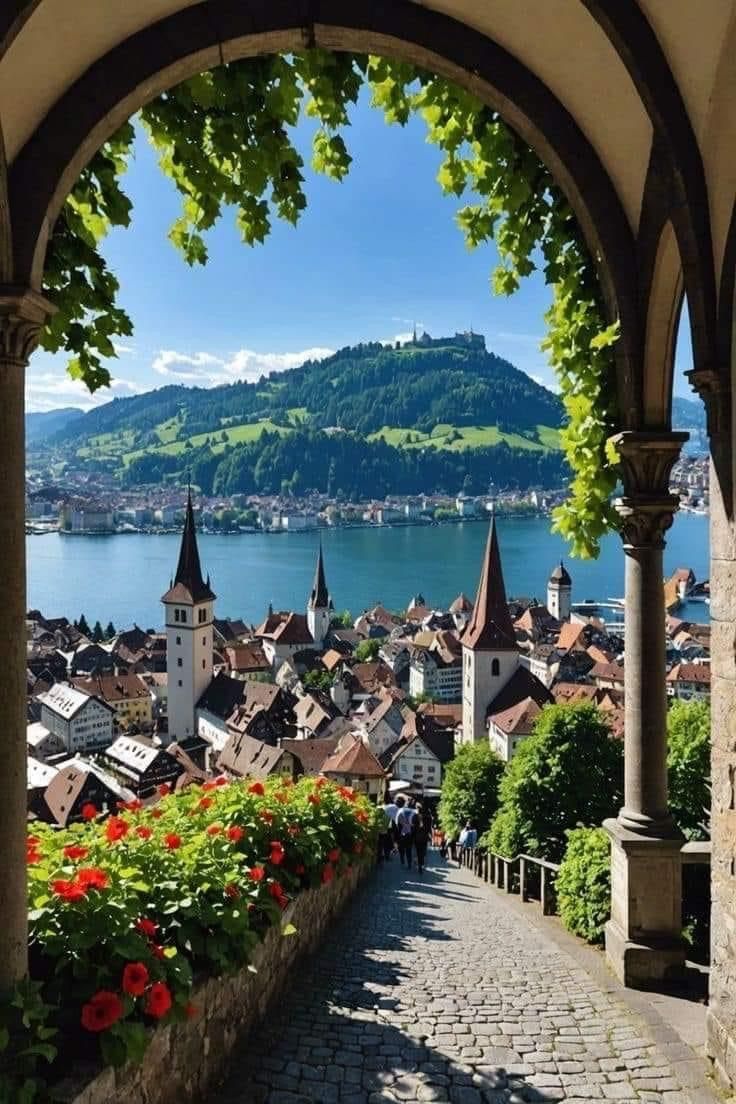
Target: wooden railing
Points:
(513, 875)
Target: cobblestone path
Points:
(440, 991)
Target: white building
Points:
(436, 671)
(189, 605)
(416, 762)
(466, 507)
(559, 593)
(79, 721)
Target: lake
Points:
(122, 577)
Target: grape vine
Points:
(224, 139)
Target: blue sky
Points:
(369, 257)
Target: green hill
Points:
(399, 406)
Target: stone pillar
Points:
(22, 316)
(643, 936)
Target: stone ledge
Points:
(184, 1060)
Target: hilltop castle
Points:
(465, 340)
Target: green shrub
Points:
(584, 883)
(470, 788)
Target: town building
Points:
(141, 765)
(493, 679)
(189, 606)
(353, 764)
(559, 593)
(319, 606)
(81, 722)
(127, 695)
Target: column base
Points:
(641, 965)
(644, 943)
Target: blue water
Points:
(122, 577)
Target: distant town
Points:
(380, 700)
(94, 504)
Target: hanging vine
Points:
(224, 138)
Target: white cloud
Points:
(208, 370)
(50, 390)
(121, 350)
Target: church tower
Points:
(490, 651)
(319, 606)
(559, 593)
(189, 606)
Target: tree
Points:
(317, 680)
(109, 631)
(367, 650)
(567, 774)
(342, 620)
(83, 626)
(97, 633)
(470, 788)
(688, 766)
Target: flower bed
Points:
(127, 913)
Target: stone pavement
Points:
(442, 990)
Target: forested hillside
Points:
(369, 419)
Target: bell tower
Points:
(189, 609)
(319, 606)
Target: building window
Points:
(179, 662)
(203, 665)
(178, 640)
(204, 641)
(495, 668)
(202, 616)
(176, 615)
(180, 682)
(183, 616)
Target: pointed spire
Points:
(491, 628)
(189, 586)
(319, 597)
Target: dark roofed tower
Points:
(319, 606)
(189, 606)
(490, 651)
(559, 593)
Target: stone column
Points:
(643, 940)
(22, 316)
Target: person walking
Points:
(420, 838)
(386, 839)
(404, 824)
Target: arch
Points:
(660, 335)
(637, 44)
(204, 35)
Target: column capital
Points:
(646, 508)
(23, 314)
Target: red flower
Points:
(209, 785)
(281, 797)
(190, 1010)
(33, 855)
(156, 814)
(147, 927)
(91, 877)
(159, 1000)
(328, 873)
(172, 841)
(221, 781)
(277, 853)
(235, 833)
(68, 891)
(362, 816)
(135, 979)
(205, 802)
(102, 1011)
(74, 852)
(299, 869)
(334, 854)
(278, 894)
(116, 828)
(164, 789)
(231, 890)
(256, 873)
(89, 811)
(313, 799)
(214, 830)
(131, 806)
(257, 788)
(157, 950)
(320, 782)
(266, 816)
(143, 831)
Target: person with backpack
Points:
(404, 825)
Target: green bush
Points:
(470, 788)
(567, 774)
(584, 883)
(688, 766)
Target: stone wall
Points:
(722, 1012)
(184, 1060)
